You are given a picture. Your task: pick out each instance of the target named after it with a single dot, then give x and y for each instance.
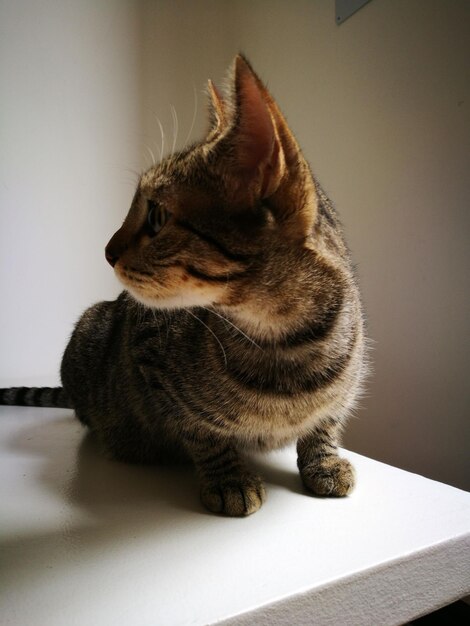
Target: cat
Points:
(240, 327)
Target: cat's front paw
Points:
(235, 496)
(331, 476)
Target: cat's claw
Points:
(235, 496)
(332, 476)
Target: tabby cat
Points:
(240, 326)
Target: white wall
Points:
(70, 129)
(380, 105)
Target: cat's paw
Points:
(332, 476)
(235, 496)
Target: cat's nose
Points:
(117, 246)
(112, 259)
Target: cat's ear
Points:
(290, 146)
(250, 151)
(218, 113)
(295, 200)
(261, 153)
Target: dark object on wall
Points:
(345, 8)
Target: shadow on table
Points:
(95, 506)
(75, 469)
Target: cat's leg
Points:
(323, 472)
(227, 485)
(122, 439)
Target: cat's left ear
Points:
(218, 113)
(251, 150)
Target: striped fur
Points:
(241, 325)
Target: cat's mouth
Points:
(142, 285)
(163, 293)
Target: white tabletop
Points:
(89, 541)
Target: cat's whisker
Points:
(222, 317)
(175, 128)
(129, 176)
(193, 121)
(212, 333)
(154, 313)
(129, 170)
(167, 325)
(162, 135)
(129, 182)
(152, 156)
(141, 310)
(146, 161)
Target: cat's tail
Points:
(52, 397)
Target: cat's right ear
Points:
(247, 152)
(295, 200)
(218, 114)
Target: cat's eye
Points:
(157, 216)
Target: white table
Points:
(86, 541)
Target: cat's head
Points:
(223, 221)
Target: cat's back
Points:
(85, 362)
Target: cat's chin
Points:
(171, 302)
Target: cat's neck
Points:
(265, 325)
